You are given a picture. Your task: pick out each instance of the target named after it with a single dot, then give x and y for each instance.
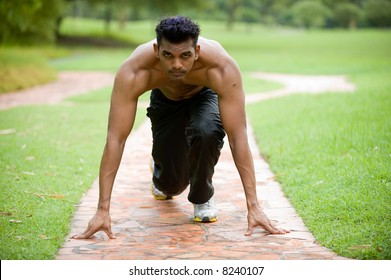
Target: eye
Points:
(166, 54)
(186, 55)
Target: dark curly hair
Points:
(177, 29)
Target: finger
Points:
(279, 230)
(110, 234)
(86, 234)
(268, 227)
(79, 236)
(249, 231)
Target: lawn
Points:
(331, 152)
(23, 67)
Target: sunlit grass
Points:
(25, 67)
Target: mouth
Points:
(177, 74)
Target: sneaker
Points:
(158, 194)
(205, 213)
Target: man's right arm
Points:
(121, 120)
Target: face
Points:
(177, 59)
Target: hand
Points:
(257, 218)
(100, 222)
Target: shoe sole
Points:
(160, 197)
(205, 219)
(157, 197)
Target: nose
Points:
(177, 64)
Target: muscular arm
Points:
(121, 119)
(228, 84)
(130, 82)
(233, 116)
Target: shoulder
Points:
(142, 57)
(214, 57)
(222, 71)
(135, 71)
(212, 51)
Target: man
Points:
(197, 96)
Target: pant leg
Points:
(169, 120)
(187, 139)
(204, 135)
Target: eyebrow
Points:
(168, 52)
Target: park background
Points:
(331, 153)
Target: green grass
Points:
(331, 152)
(25, 67)
(87, 59)
(49, 160)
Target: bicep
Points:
(233, 116)
(123, 106)
(232, 102)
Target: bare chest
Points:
(180, 91)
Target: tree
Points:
(347, 14)
(309, 14)
(123, 10)
(378, 13)
(29, 21)
(274, 12)
(230, 9)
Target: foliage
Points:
(37, 21)
(263, 11)
(309, 14)
(124, 10)
(29, 21)
(378, 13)
(347, 14)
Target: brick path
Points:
(150, 229)
(67, 84)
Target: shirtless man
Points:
(197, 97)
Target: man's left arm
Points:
(233, 116)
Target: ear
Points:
(156, 49)
(197, 51)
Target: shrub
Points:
(309, 14)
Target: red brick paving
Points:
(148, 229)
(67, 84)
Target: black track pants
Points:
(187, 139)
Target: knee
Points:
(171, 186)
(205, 132)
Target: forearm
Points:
(244, 163)
(110, 162)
